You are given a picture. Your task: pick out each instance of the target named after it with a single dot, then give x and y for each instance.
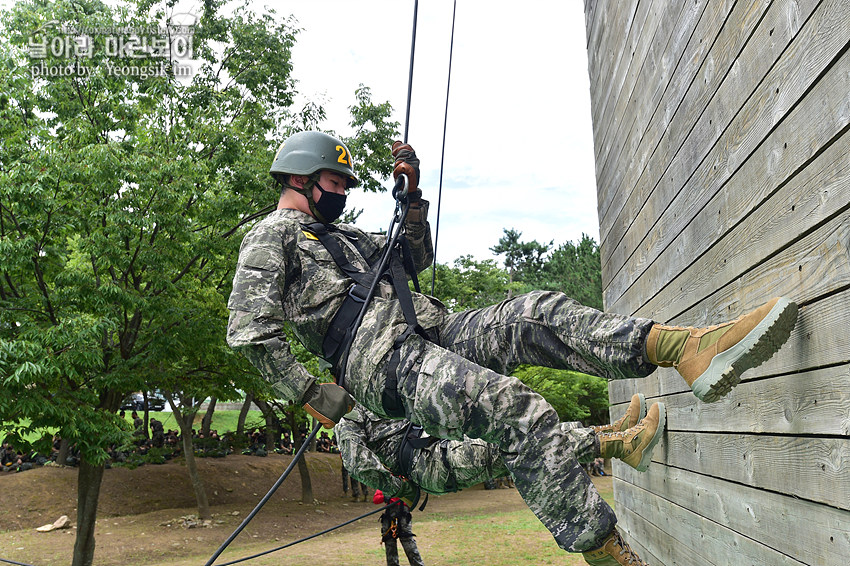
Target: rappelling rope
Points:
(378, 510)
(443, 152)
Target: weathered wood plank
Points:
(643, 536)
(606, 54)
(695, 535)
(632, 56)
(706, 60)
(795, 139)
(630, 18)
(649, 24)
(642, 91)
(713, 152)
(815, 402)
(809, 532)
(818, 192)
(816, 469)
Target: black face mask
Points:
(329, 206)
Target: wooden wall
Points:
(723, 177)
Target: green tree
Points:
(523, 260)
(574, 269)
(468, 284)
(123, 198)
(575, 396)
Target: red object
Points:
(378, 498)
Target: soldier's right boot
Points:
(634, 446)
(634, 414)
(712, 359)
(613, 552)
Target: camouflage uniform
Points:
(284, 275)
(370, 447)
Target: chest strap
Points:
(340, 333)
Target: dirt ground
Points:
(145, 515)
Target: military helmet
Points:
(306, 153)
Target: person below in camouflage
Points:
(397, 524)
(455, 383)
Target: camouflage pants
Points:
(452, 391)
(395, 525)
(355, 485)
(451, 465)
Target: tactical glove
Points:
(327, 402)
(409, 493)
(406, 162)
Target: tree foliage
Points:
(123, 199)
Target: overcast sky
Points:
(519, 149)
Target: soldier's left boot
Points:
(712, 359)
(635, 445)
(613, 552)
(634, 414)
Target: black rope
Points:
(326, 531)
(443, 152)
(410, 75)
(267, 496)
(13, 562)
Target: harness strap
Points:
(341, 330)
(412, 441)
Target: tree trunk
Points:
(184, 421)
(89, 481)
(303, 471)
(62, 455)
(206, 422)
(243, 414)
(272, 424)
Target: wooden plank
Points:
(651, 543)
(712, 151)
(816, 469)
(689, 534)
(644, 86)
(629, 60)
(815, 402)
(818, 192)
(616, 20)
(809, 532)
(649, 35)
(696, 62)
(626, 19)
(819, 339)
(795, 140)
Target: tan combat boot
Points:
(712, 359)
(613, 552)
(634, 446)
(634, 414)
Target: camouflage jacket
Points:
(369, 447)
(285, 276)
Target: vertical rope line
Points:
(410, 74)
(443, 152)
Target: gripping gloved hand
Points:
(406, 162)
(409, 493)
(328, 402)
